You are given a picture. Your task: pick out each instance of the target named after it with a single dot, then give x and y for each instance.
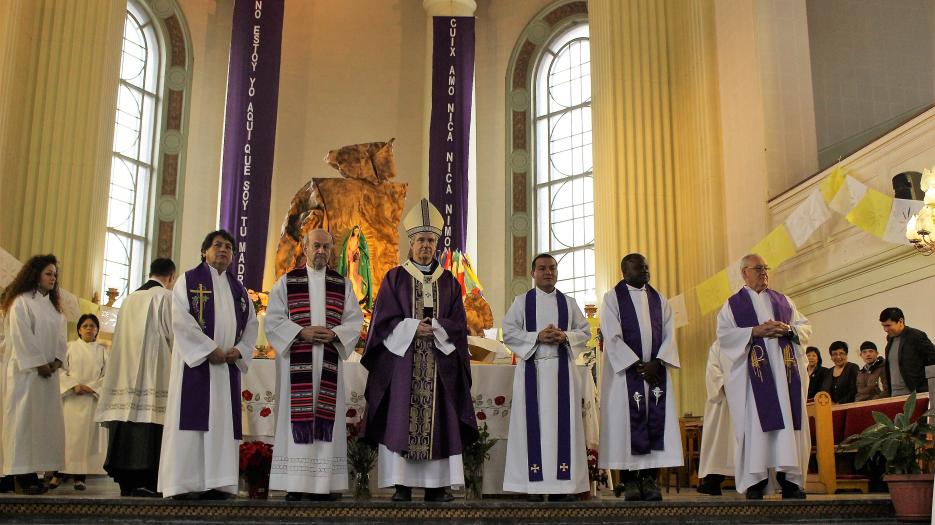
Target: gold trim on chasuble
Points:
(422, 388)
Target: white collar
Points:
(540, 291)
(635, 289)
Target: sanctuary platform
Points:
(99, 505)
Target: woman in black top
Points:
(841, 381)
(816, 372)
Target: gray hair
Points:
(746, 258)
(310, 232)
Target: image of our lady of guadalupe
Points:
(354, 263)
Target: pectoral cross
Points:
(657, 393)
(202, 294)
(756, 357)
(789, 360)
(564, 467)
(637, 397)
(535, 468)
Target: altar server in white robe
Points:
(762, 336)
(80, 383)
(313, 320)
(639, 419)
(215, 329)
(136, 383)
(717, 440)
(33, 425)
(546, 451)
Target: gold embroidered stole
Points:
(423, 383)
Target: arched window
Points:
(564, 187)
(148, 147)
(131, 171)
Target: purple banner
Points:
(250, 132)
(450, 128)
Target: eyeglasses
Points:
(758, 269)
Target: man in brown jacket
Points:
(871, 380)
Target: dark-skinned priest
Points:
(762, 338)
(546, 452)
(215, 329)
(639, 419)
(419, 408)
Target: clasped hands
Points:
(220, 356)
(425, 328)
(771, 329)
(651, 371)
(82, 389)
(317, 334)
(49, 368)
(552, 335)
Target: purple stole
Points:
(533, 433)
(758, 368)
(313, 419)
(196, 382)
(647, 420)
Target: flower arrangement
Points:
(474, 456)
(260, 300)
(361, 457)
(595, 474)
(256, 458)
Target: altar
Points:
(492, 391)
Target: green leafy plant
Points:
(903, 445)
(474, 456)
(361, 458)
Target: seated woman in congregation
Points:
(871, 380)
(841, 380)
(816, 372)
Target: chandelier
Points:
(920, 230)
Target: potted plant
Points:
(474, 456)
(361, 458)
(256, 458)
(904, 447)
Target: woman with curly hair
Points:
(34, 328)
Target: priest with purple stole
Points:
(762, 335)
(313, 320)
(546, 451)
(639, 419)
(419, 408)
(215, 329)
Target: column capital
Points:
(449, 7)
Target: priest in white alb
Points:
(136, 383)
(546, 451)
(313, 320)
(762, 336)
(717, 441)
(639, 419)
(215, 331)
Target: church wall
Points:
(352, 72)
(873, 63)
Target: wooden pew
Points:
(832, 425)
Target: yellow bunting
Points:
(87, 307)
(777, 247)
(713, 292)
(830, 186)
(872, 213)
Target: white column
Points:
(448, 8)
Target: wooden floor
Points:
(101, 504)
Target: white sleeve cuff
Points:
(442, 342)
(401, 337)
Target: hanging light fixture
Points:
(920, 230)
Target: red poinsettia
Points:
(247, 395)
(255, 457)
(499, 400)
(481, 416)
(265, 412)
(350, 413)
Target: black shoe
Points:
(563, 498)
(754, 493)
(188, 496)
(402, 493)
(7, 484)
(650, 489)
(631, 491)
(709, 488)
(294, 496)
(216, 495)
(439, 495)
(143, 492)
(535, 498)
(793, 492)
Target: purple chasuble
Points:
(759, 370)
(533, 432)
(196, 381)
(647, 419)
